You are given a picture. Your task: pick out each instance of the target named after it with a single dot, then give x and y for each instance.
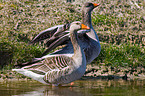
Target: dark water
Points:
(80, 88)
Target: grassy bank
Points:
(120, 26)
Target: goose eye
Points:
(77, 23)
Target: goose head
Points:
(77, 25)
(88, 6)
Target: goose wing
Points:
(63, 39)
(34, 60)
(59, 41)
(50, 32)
(49, 64)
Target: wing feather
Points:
(56, 43)
(43, 35)
(50, 64)
(50, 32)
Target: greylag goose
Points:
(59, 69)
(59, 35)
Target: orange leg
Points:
(72, 83)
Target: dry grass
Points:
(120, 25)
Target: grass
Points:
(119, 24)
(123, 55)
(13, 53)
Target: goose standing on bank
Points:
(60, 69)
(59, 35)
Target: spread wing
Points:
(50, 32)
(59, 41)
(62, 39)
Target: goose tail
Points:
(31, 74)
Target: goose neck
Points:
(74, 40)
(79, 56)
(86, 18)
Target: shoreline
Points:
(109, 72)
(94, 72)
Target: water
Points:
(80, 88)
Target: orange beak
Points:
(95, 5)
(84, 27)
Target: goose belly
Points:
(74, 76)
(63, 77)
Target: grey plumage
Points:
(59, 69)
(89, 41)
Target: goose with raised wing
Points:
(62, 68)
(89, 41)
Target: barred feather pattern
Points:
(61, 68)
(57, 70)
(50, 63)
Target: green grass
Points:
(119, 24)
(121, 55)
(13, 53)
